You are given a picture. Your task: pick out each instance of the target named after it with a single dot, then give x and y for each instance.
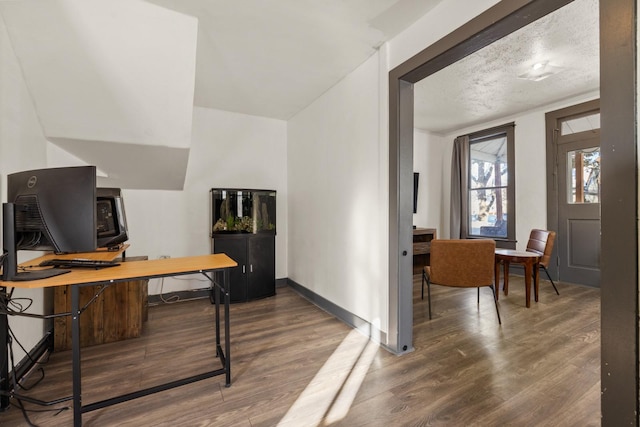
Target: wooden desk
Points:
(99, 255)
(128, 271)
(118, 313)
(530, 261)
(422, 238)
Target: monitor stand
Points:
(10, 254)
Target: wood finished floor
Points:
(295, 365)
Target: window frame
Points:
(507, 130)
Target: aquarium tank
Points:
(243, 211)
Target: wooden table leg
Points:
(497, 278)
(536, 276)
(528, 272)
(506, 277)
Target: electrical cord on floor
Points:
(170, 300)
(13, 338)
(189, 279)
(15, 382)
(18, 402)
(13, 306)
(56, 411)
(174, 298)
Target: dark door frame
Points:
(551, 124)
(619, 289)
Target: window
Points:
(583, 168)
(491, 190)
(580, 124)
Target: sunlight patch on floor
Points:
(329, 395)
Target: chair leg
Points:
(495, 300)
(424, 278)
(478, 296)
(429, 297)
(550, 279)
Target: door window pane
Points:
(583, 169)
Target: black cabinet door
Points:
(236, 249)
(262, 266)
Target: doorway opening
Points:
(619, 271)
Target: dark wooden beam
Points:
(619, 262)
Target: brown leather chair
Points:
(461, 263)
(541, 242)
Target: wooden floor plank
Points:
(293, 364)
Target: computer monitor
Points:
(48, 210)
(416, 176)
(111, 219)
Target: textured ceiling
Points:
(485, 85)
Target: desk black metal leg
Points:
(227, 334)
(4, 356)
(75, 355)
(217, 319)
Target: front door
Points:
(577, 146)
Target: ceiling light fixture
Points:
(540, 71)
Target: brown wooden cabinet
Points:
(422, 238)
(117, 314)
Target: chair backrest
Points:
(462, 263)
(541, 242)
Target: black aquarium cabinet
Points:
(243, 226)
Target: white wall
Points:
(22, 146)
(428, 161)
(337, 181)
(227, 150)
(338, 176)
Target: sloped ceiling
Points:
(119, 72)
(120, 164)
(272, 59)
(114, 77)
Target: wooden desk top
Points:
(131, 270)
(419, 230)
(511, 253)
(99, 255)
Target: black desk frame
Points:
(217, 289)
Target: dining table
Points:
(530, 260)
